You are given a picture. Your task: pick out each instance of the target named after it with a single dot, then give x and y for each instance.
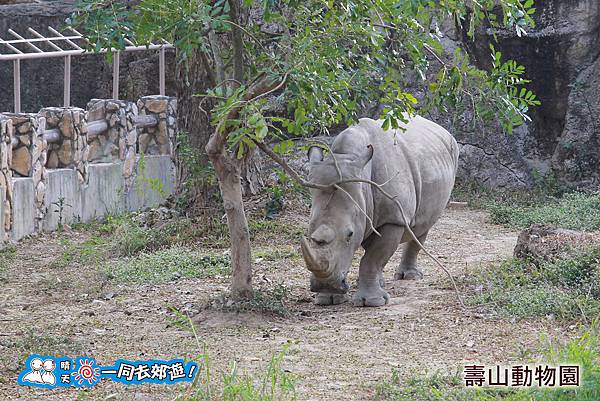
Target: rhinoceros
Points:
(417, 164)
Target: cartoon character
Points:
(34, 376)
(48, 376)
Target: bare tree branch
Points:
(359, 208)
(335, 162)
(288, 169)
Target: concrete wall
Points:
(104, 193)
(23, 211)
(67, 201)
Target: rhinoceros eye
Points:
(349, 234)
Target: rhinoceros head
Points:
(337, 225)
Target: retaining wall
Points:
(68, 165)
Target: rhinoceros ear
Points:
(315, 154)
(364, 158)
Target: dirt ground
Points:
(338, 353)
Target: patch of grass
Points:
(168, 264)
(7, 256)
(541, 205)
(130, 238)
(575, 210)
(438, 386)
(264, 300)
(583, 351)
(274, 230)
(34, 342)
(277, 253)
(273, 383)
(92, 251)
(107, 225)
(567, 287)
(127, 236)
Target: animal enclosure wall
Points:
(67, 165)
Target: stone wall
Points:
(29, 153)
(71, 150)
(6, 181)
(53, 171)
(157, 140)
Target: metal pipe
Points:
(161, 69)
(75, 45)
(67, 82)
(143, 120)
(40, 38)
(95, 128)
(50, 135)
(27, 42)
(17, 84)
(50, 54)
(115, 75)
(11, 47)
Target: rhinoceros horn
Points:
(311, 260)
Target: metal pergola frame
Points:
(66, 46)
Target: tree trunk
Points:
(251, 173)
(228, 172)
(194, 76)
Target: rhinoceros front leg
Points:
(378, 250)
(407, 270)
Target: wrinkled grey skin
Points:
(421, 163)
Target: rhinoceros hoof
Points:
(371, 298)
(325, 298)
(412, 274)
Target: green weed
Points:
(7, 256)
(264, 300)
(37, 342)
(168, 264)
(274, 230)
(92, 251)
(583, 351)
(575, 210)
(275, 254)
(567, 287)
(541, 205)
(271, 384)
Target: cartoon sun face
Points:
(86, 372)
